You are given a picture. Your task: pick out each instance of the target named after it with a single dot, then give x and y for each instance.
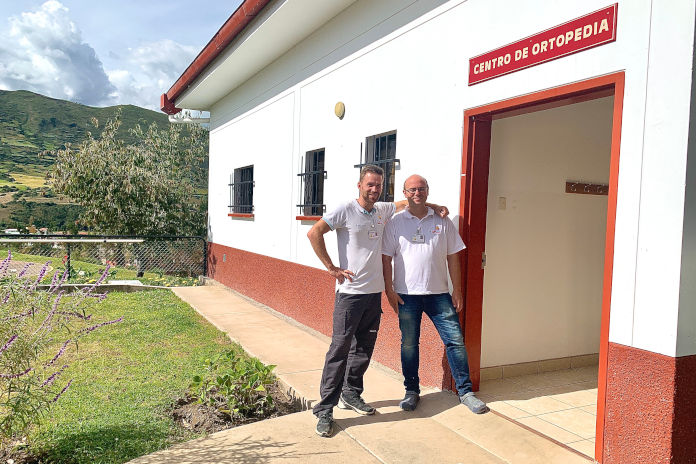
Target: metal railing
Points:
(180, 256)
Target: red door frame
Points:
(473, 204)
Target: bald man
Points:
(424, 247)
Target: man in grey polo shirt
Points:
(359, 225)
(424, 247)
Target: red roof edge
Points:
(234, 25)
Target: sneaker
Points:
(474, 404)
(410, 401)
(325, 424)
(356, 403)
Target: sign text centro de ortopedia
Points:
(588, 31)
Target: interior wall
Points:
(544, 247)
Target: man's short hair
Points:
(371, 168)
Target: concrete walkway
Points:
(440, 430)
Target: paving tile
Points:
(578, 398)
(539, 405)
(506, 410)
(586, 447)
(576, 421)
(550, 430)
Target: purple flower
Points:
(60, 352)
(54, 281)
(74, 314)
(54, 376)
(9, 343)
(94, 327)
(14, 376)
(62, 391)
(41, 275)
(5, 263)
(23, 271)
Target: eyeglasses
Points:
(416, 189)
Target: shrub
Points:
(36, 328)
(235, 385)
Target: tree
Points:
(146, 188)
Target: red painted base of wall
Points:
(650, 407)
(307, 295)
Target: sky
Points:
(104, 52)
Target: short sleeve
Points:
(454, 241)
(389, 242)
(336, 219)
(386, 208)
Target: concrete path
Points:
(440, 430)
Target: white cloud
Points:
(153, 68)
(43, 51)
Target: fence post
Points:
(205, 258)
(67, 261)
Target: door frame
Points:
(473, 208)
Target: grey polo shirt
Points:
(359, 236)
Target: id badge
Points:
(418, 238)
(372, 234)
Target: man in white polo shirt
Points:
(423, 247)
(359, 225)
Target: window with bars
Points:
(242, 191)
(313, 184)
(380, 150)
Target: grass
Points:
(27, 180)
(126, 376)
(85, 272)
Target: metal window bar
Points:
(313, 179)
(242, 191)
(380, 150)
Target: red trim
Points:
(609, 264)
(308, 218)
(240, 215)
(229, 31)
(472, 210)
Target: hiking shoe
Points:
(410, 401)
(325, 424)
(474, 404)
(354, 402)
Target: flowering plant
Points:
(37, 326)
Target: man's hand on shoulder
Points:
(341, 274)
(441, 211)
(394, 300)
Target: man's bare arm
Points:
(316, 238)
(392, 296)
(455, 272)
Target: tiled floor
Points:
(561, 404)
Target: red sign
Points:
(574, 36)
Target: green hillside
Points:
(31, 123)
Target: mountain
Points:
(31, 123)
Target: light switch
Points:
(502, 203)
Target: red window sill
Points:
(308, 218)
(240, 215)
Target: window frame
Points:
(242, 191)
(387, 161)
(312, 185)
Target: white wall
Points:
(544, 247)
(400, 64)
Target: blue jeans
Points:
(440, 310)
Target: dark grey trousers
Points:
(355, 325)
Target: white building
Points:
(557, 133)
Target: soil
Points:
(203, 418)
(186, 412)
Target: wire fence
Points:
(129, 257)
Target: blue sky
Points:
(106, 52)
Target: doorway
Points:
(522, 218)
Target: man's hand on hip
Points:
(394, 300)
(341, 274)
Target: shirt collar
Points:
(430, 212)
(363, 210)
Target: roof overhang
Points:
(256, 34)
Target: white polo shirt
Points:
(359, 236)
(419, 248)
